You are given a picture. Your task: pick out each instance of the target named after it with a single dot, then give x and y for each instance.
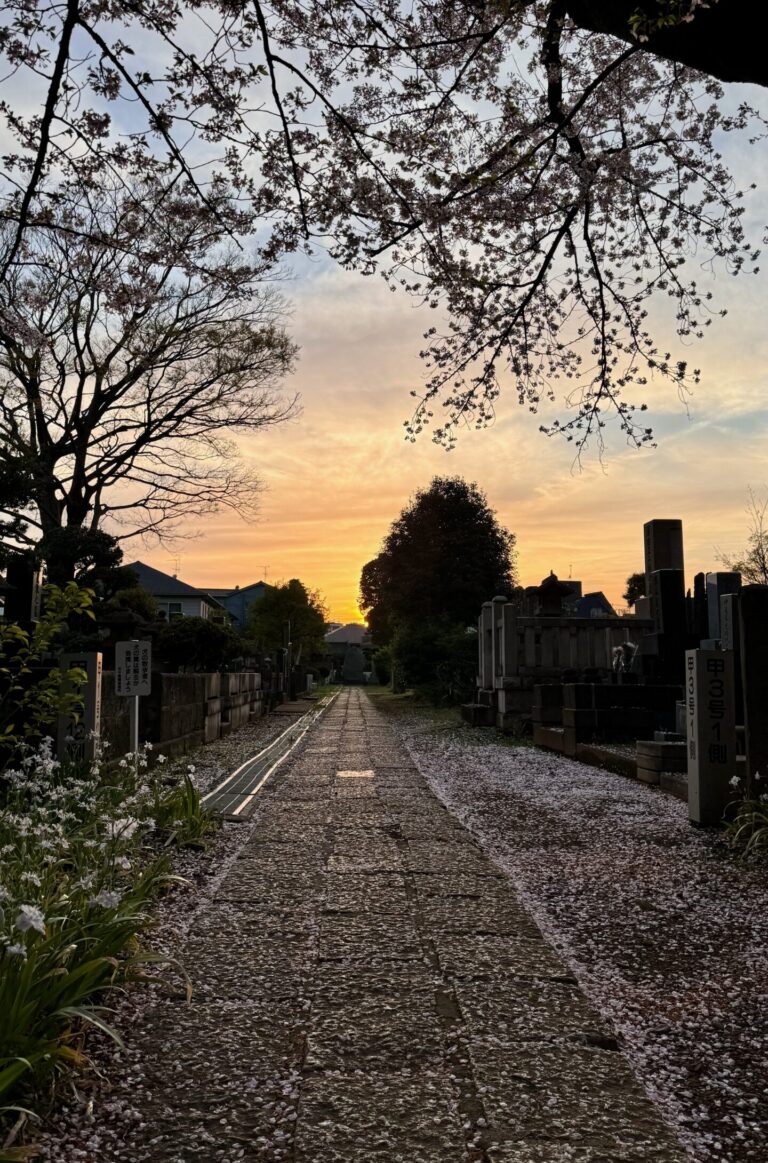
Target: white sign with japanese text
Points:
(133, 668)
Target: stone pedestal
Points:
(711, 734)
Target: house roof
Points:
(228, 591)
(353, 633)
(594, 601)
(163, 585)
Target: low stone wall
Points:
(183, 710)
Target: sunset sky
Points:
(338, 475)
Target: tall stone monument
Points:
(711, 730)
(663, 542)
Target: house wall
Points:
(239, 602)
(184, 608)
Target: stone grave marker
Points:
(711, 733)
(668, 610)
(730, 639)
(718, 585)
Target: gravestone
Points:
(718, 585)
(668, 611)
(642, 607)
(497, 638)
(700, 612)
(663, 542)
(552, 594)
(753, 637)
(485, 646)
(730, 639)
(711, 734)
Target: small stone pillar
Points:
(78, 737)
(485, 647)
(497, 614)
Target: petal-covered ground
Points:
(664, 928)
(368, 989)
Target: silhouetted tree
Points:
(196, 644)
(290, 603)
(443, 557)
(130, 350)
(635, 588)
(752, 564)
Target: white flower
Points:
(16, 951)
(123, 763)
(106, 899)
(122, 829)
(191, 768)
(735, 781)
(757, 776)
(162, 759)
(147, 746)
(31, 878)
(123, 863)
(4, 894)
(30, 918)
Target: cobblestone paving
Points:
(368, 989)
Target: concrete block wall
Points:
(183, 710)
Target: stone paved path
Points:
(368, 989)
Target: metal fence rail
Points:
(235, 796)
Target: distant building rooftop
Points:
(353, 634)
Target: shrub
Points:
(748, 830)
(81, 856)
(439, 658)
(382, 661)
(197, 644)
(31, 693)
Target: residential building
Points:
(177, 599)
(239, 600)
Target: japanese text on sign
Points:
(133, 668)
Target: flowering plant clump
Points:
(748, 830)
(82, 851)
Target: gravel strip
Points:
(663, 927)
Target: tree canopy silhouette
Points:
(290, 603)
(538, 170)
(443, 557)
(130, 350)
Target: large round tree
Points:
(443, 557)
